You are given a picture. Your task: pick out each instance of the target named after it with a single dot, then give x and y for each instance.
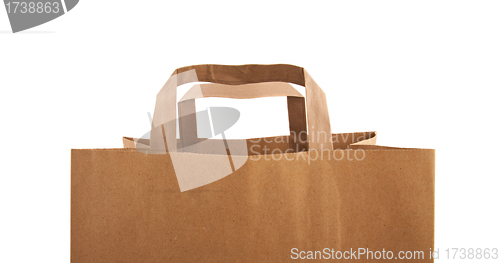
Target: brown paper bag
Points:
(310, 196)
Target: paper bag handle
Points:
(163, 130)
(295, 102)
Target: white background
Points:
(421, 73)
